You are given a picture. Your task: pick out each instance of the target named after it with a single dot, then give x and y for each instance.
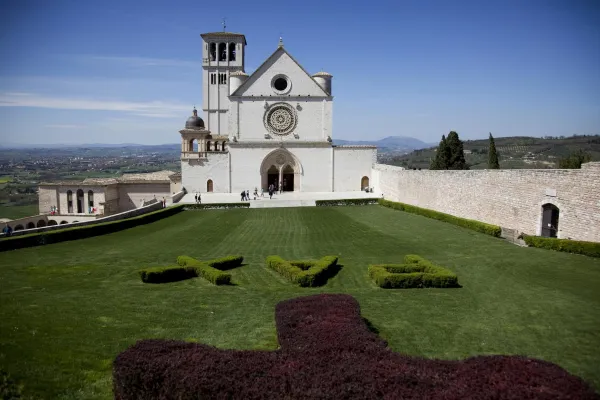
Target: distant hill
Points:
(390, 143)
(514, 152)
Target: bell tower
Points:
(222, 54)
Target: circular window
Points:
(280, 119)
(281, 84)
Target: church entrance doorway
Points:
(549, 220)
(288, 179)
(209, 186)
(364, 183)
(272, 177)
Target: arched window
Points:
(213, 52)
(79, 201)
(550, 214)
(69, 201)
(30, 225)
(222, 51)
(209, 185)
(41, 223)
(90, 200)
(192, 145)
(364, 182)
(19, 228)
(216, 146)
(231, 51)
(223, 146)
(208, 144)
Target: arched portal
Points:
(63, 222)
(19, 228)
(272, 177)
(52, 222)
(41, 223)
(288, 178)
(79, 201)
(364, 182)
(276, 164)
(30, 225)
(209, 186)
(550, 214)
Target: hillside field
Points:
(69, 308)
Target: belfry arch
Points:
(287, 167)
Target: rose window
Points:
(280, 119)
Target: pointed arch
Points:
(209, 186)
(283, 160)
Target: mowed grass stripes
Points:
(68, 309)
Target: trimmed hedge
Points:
(416, 272)
(215, 205)
(74, 233)
(328, 352)
(488, 229)
(211, 270)
(305, 273)
(204, 270)
(346, 202)
(591, 249)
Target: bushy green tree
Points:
(574, 160)
(441, 156)
(456, 152)
(493, 155)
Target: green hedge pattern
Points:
(416, 272)
(346, 202)
(478, 226)
(215, 206)
(81, 232)
(211, 270)
(305, 273)
(591, 249)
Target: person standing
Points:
(196, 198)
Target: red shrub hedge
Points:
(327, 351)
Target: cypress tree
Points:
(441, 156)
(456, 152)
(493, 155)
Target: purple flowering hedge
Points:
(328, 352)
(416, 272)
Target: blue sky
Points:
(130, 72)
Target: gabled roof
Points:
(280, 50)
(212, 35)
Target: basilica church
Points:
(272, 127)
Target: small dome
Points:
(194, 122)
(323, 74)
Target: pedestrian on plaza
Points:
(199, 198)
(196, 198)
(243, 194)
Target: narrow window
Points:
(231, 51)
(222, 51)
(69, 201)
(213, 52)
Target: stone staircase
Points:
(275, 203)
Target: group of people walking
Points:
(245, 195)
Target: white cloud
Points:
(146, 108)
(147, 62)
(65, 126)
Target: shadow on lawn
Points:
(331, 272)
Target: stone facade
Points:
(510, 198)
(279, 130)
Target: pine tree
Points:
(493, 155)
(456, 152)
(441, 156)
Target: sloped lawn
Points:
(68, 309)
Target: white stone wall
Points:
(61, 201)
(509, 198)
(195, 173)
(47, 197)
(314, 119)
(350, 165)
(132, 194)
(314, 163)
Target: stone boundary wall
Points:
(510, 198)
(156, 205)
(177, 196)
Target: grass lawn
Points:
(15, 212)
(68, 309)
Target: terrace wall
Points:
(508, 198)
